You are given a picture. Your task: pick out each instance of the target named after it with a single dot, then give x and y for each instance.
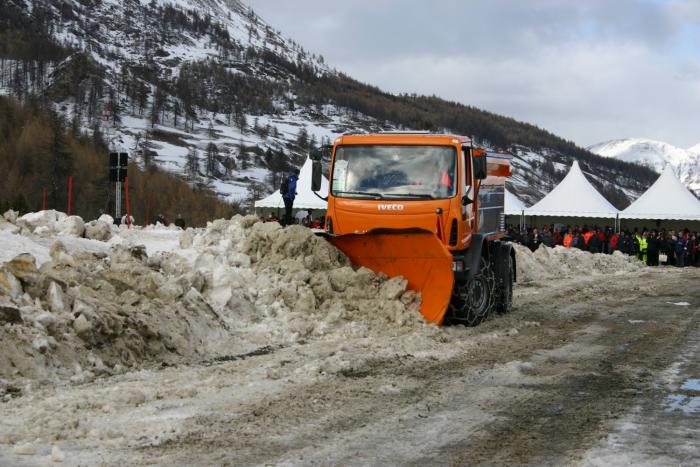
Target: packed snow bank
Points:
(42, 222)
(294, 275)
(50, 223)
(76, 308)
(240, 285)
(13, 244)
(549, 263)
(82, 315)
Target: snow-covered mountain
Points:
(655, 154)
(171, 80)
(207, 90)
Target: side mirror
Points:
(321, 152)
(316, 173)
(480, 171)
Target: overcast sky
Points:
(588, 71)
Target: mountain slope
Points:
(207, 90)
(655, 154)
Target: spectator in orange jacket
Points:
(613, 242)
(567, 239)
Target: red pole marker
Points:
(70, 194)
(43, 199)
(128, 210)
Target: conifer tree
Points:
(211, 159)
(192, 165)
(60, 163)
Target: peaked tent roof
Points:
(513, 205)
(305, 199)
(666, 199)
(573, 197)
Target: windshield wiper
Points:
(409, 195)
(361, 193)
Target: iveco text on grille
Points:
(390, 207)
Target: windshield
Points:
(394, 172)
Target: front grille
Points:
(453, 233)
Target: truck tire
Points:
(473, 300)
(505, 294)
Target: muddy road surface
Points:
(599, 370)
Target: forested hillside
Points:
(38, 153)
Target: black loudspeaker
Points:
(118, 163)
(316, 174)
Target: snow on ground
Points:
(248, 284)
(161, 294)
(155, 238)
(13, 245)
(663, 430)
(549, 263)
(146, 339)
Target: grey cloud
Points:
(587, 70)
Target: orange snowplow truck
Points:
(427, 207)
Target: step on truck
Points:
(427, 207)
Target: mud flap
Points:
(417, 255)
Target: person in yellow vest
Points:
(643, 244)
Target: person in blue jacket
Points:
(288, 188)
(681, 249)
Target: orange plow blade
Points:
(417, 255)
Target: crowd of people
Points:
(160, 219)
(652, 246)
(307, 221)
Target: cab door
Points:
(467, 196)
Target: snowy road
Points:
(592, 371)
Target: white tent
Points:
(666, 199)
(305, 199)
(513, 205)
(573, 197)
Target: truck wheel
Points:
(505, 302)
(472, 301)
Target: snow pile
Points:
(98, 230)
(77, 308)
(41, 223)
(13, 244)
(71, 225)
(241, 285)
(550, 263)
(80, 315)
(50, 223)
(10, 216)
(294, 277)
(7, 226)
